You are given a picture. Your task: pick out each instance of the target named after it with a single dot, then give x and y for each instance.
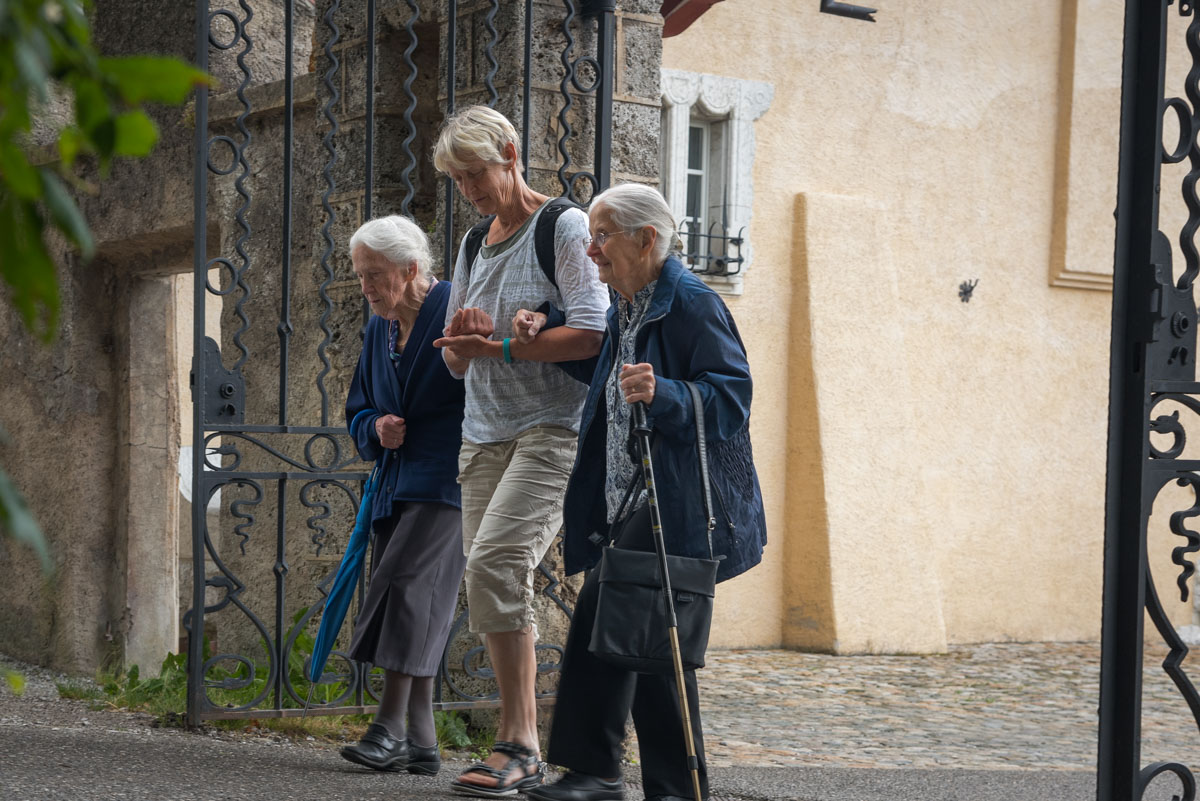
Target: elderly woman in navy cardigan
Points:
(665, 328)
(405, 409)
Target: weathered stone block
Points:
(638, 73)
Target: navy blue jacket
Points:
(688, 335)
(419, 388)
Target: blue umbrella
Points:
(346, 580)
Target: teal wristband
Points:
(507, 353)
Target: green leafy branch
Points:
(45, 48)
(46, 52)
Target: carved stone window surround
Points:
(736, 104)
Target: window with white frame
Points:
(707, 162)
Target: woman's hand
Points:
(464, 347)
(637, 382)
(470, 320)
(390, 430)
(526, 324)
(467, 335)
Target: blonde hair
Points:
(398, 239)
(474, 133)
(633, 207)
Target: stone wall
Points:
(96, 419)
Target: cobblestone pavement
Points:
(990, 706)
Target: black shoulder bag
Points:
(637, 600)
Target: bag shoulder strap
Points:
(474, 239)
(543, 235)
(633, 487)
(702, 450)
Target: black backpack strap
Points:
(474, 241)
(543, 234)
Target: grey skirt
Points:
(408, 608)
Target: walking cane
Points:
(642, 429)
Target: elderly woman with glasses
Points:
(405, 409)
(664, 329)
(522, 413)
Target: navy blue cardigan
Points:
(688, 335)
(419, 388)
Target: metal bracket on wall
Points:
(847, 10)
(224, 390)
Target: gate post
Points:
(1152, 360)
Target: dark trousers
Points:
(595, 699)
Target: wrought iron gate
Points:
(1153, 370)
(269, 450)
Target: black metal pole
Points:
(526, 89)
(369, 145)
(448, 239)
(285, 305)
(1118, 760)
(195, 690)
(605, 11)
(368, 213)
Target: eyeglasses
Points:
(600, 238)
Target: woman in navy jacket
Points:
(405, 410)
(665, 328)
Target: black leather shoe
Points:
(579, 787)
(424, 761)
(378, 749)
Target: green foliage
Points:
(80, 691)
(451, 730)
(15, 681)
(46, 51)
(165, 697)
(481, 744)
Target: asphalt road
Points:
(99, 764)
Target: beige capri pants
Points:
(512, 508)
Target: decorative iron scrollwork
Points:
(1179, 527)
(286, 451)
(410, 126)
(1185, 776)
(339, 458)
(323, 507)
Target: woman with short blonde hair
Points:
(477, 133)
(522, 413)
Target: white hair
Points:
(474, 133)
(633, 207)
(398, 239)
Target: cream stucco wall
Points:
(933, 470)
